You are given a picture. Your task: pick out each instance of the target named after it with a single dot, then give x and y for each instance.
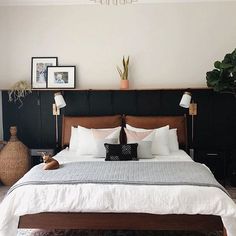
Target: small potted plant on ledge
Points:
(223, 77)
(124, 82)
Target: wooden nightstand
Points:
(36, 157)
(216, 160)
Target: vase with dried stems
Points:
(124, 82)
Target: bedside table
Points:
(216, 160)
(36, 157)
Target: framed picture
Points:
(60, 77)
(39, 70)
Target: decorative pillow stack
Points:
(144, 141)
(164, 140)
(91, 141)
(149, 142)
(102, 136)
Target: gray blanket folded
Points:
(135, 173)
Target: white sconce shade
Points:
(186, 100)
(59, 100)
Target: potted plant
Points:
(223, 77)
(124, 82)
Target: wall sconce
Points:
(186, 103)
(59, 103)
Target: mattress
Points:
(67, 155)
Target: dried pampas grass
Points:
(18, 91)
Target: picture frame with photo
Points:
(61, 77)
(39, 71)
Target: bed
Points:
(203, 208)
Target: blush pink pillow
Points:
(106, 133)
(133, 136)
(144, 140)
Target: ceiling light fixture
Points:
(114, 2)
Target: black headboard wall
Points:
(215, 124)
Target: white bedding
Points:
(116, 198)
(66, 156)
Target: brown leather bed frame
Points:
(125, 221)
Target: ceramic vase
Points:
(124, 84)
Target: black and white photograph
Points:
(39, 70)
(61, 77)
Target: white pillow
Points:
(144, 149)
(86, 144)
(73, 139)
(173, 140)
(144, 140)
(160, 142)
(100, 148)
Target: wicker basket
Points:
(14, 159)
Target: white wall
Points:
(170, 45)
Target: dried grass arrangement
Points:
(18, 91)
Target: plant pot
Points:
(124, 84)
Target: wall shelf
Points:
(112, 89)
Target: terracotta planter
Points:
(124, 84)
(14, 159)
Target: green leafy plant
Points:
(223, 77)
(18, 91)
(125, 73)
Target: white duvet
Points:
(116, 198)
(66, 156)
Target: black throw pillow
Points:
(121, 152)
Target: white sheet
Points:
(67, 155)
(116, 198)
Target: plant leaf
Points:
(119, 71)
(217, 65)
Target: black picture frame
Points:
(61, 77)
(39, 71)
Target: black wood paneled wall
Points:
(215, 124)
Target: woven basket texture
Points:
(14, 160)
